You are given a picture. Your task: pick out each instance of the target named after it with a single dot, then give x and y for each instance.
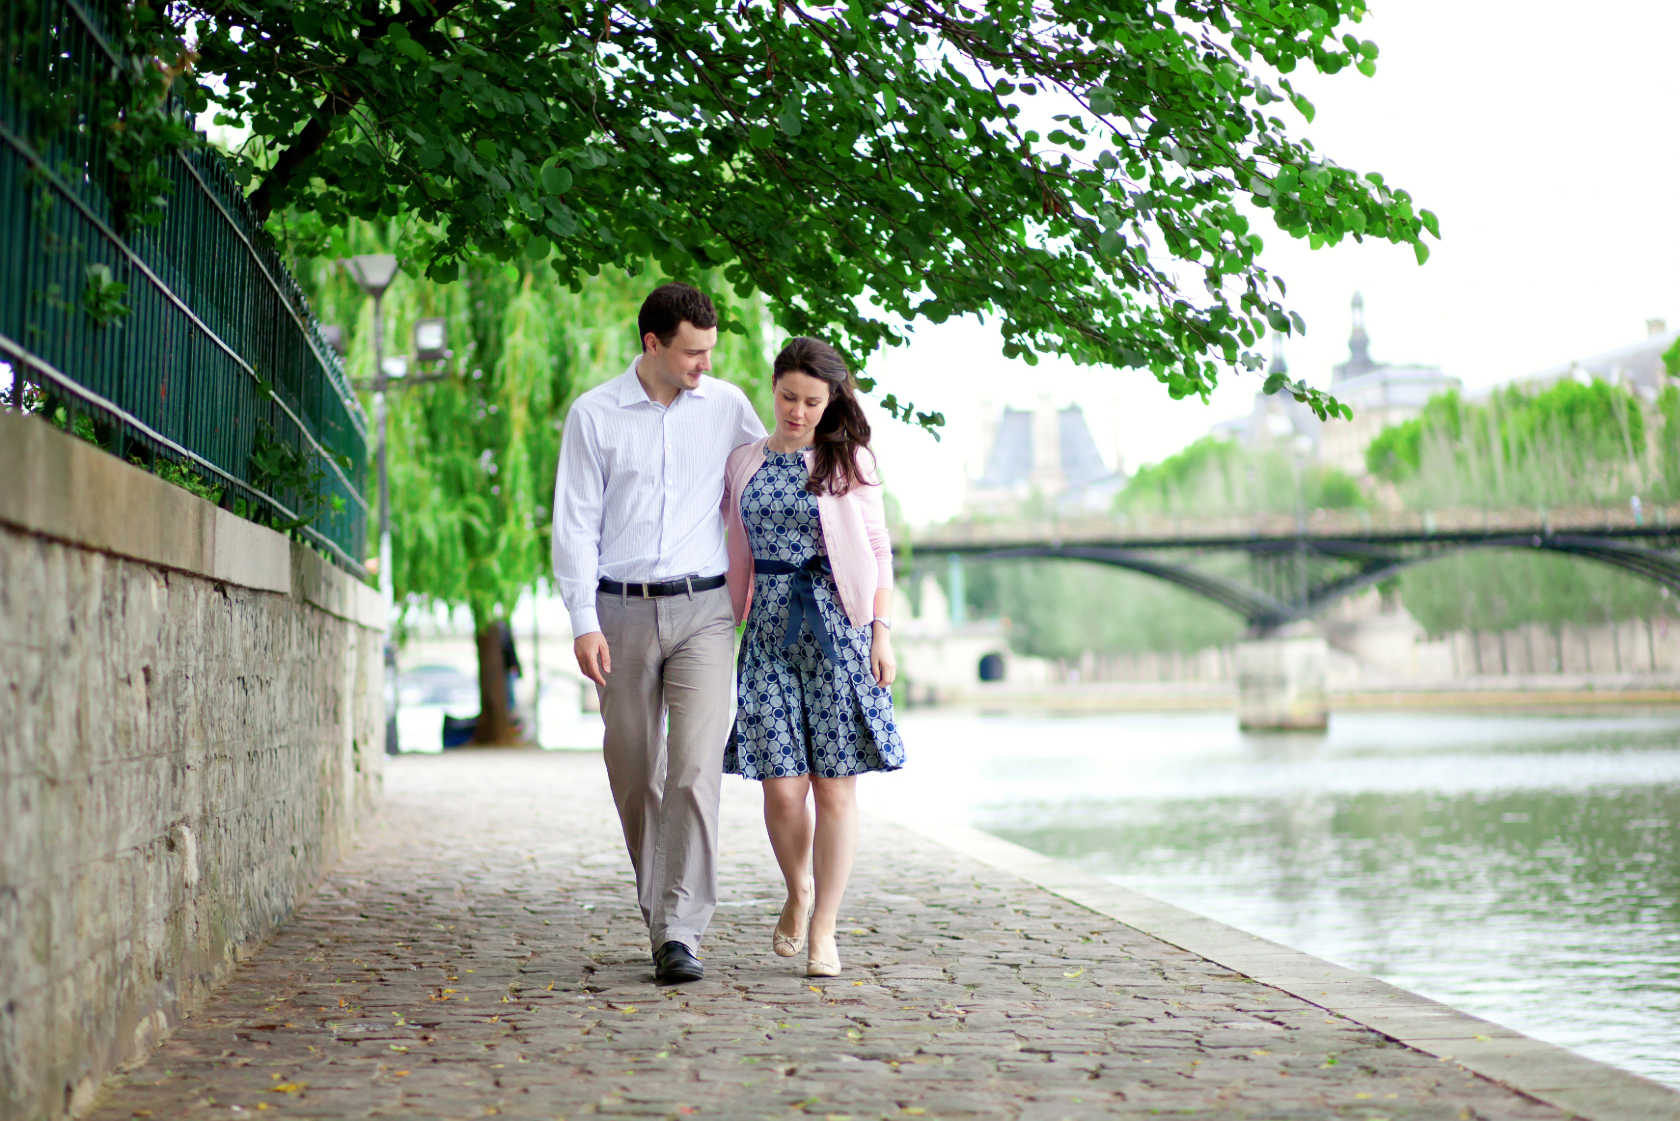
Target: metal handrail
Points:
(45, 369)
(138, 262)
(309, 334)
(195, 344)
(97, 34)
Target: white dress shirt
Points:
(640, 487)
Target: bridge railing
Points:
(1160, 531)
(184, 345)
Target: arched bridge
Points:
(1298, 567)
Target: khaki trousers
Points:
(672, 659)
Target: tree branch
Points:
(320, 127)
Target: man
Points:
(639, 556)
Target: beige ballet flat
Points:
(816, 967)
(785, 945)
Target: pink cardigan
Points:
(854, 528)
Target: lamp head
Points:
(373, 271)
(431, 340)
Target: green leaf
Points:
(556, 180)
(853, 175)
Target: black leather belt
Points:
(685, 586)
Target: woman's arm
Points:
(868, 498)
(882, 662)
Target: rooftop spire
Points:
(1278, 366)
(1359, 343)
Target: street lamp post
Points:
(374, 273)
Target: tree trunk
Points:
(495, 722)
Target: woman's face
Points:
(800, 401)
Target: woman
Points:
(810, 569)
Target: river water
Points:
(1525, 869)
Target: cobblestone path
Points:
(479, 953)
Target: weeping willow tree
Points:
(1570, 444)
(473, 454)
(1062, 609)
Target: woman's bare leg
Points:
(787, 818)
(835, 848)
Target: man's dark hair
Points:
(668, 307)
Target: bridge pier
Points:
(1282, 681)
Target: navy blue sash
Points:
(802, 600)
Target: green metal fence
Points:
(186, 344)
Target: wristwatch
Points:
(887, 623)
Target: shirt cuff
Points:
(585, 620)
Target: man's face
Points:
(679, 365)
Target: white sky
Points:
(1543, 134)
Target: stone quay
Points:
(478, 952)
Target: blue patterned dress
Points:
(798, 712)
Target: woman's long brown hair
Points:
(843, 430)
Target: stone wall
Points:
(190, 729)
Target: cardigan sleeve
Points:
(870, 504)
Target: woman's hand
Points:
(881, 661)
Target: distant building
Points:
(1275, 419)
(1041, 460)
(1638, 367)
(1380, 394)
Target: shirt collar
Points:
(630, 391)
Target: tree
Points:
(1078, 169)
(1219, 476)
(1567, 444)
(472, 456)
(1061, 609)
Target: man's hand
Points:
(593, 657)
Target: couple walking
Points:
(676, 517)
